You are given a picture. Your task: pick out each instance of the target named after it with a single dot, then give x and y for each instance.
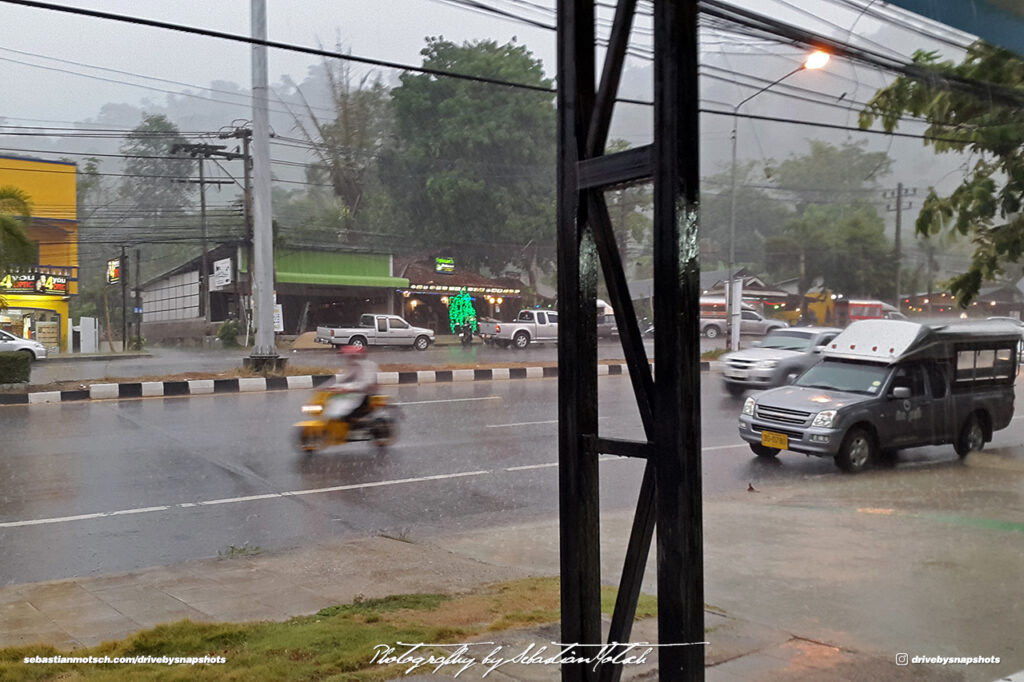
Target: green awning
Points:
(333, 268)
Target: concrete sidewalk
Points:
(827, 579)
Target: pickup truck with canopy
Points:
(884, 385)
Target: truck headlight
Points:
(825, 419)
(748, 407)
(312, 409)
(767, 364)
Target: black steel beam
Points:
(677, 343)
(579, 538)
(618, 446)
(611, 75)
(627, 167)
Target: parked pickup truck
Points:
(530, 326)
(377, 330)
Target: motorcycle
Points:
(466, 334)
(379, 424)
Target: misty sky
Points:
(392, 30)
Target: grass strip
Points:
(334, 645)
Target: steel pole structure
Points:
(264, 352)
(677, 456)
(204, 266)
(731, 335)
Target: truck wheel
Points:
(421, 343)
(357, 341)
(711, 332)
(763, 450)
(971, 438)
(857, 451)
(521, 340)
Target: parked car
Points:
(751, 322)
(530, 326)
(12, 343)
(885, 385)
(377, 330)
(783, 355)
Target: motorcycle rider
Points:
(358, 375)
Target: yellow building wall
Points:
(51, 189)
(50, 185)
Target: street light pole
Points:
(815, 60)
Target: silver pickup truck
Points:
(530, 326)
(377, 330)
(884, 385)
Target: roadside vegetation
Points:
(337, 643)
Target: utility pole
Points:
(138, 297)
(204, 151)
(244, 132)
(899, 194)
(124, 300)
(264, 353)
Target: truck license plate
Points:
(736, 373)
(770, 439)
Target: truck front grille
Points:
(781, 415)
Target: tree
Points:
(474, 165)
(153, 175)
(347, 147)
(15, 246)
(986, 207)
(830, 175)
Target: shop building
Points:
(37, 295)
(312, 286)
(434, 281)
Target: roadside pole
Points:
(124, 300)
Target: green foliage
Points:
(228, 334)
(15, 368)
(844, 245)
(460, 309)
(830, 174)
(986, 208)
(15, 246)
(137, 343)
(475, 162)
(152, 171)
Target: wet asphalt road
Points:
(177, 361)
(101, 487)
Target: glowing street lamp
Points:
(815, 60)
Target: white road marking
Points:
(449, 400)
(296, 493)
(546, 421)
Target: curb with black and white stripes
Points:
(148, 389)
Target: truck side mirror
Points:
(900, 392)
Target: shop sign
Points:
(445, 266)
(222, 272)
(113, 271)
(34, 283)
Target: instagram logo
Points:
(902, 659)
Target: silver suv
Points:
(783, 355)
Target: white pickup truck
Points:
(377, 330)
(530, 326)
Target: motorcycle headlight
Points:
(825, 419)
(312, 409)
(748, 407)
(767, 364)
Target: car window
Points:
(553, 318)
(366, 320)
(396, 323)
(542, 318)
(787, 341)
(4, 336)
(526, 316)
(841, 375)
(909, 376)
(750, 315)
(382, 324)
(936, 380)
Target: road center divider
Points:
(151, 389)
